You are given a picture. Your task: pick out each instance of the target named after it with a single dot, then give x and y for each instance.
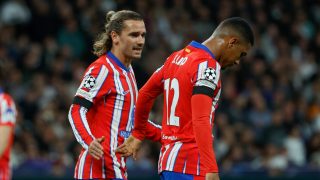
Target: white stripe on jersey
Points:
(154, 124)
(201, 68)
(100, 80)
(102, 75)
(216, 98)
(198, 165)
(103, 169)
(218, 67)
(116, 121)
(91, 169)
(214, 103)
(75, 132)
(160, 155)
(184, 167)
(86, 74)
(173, 155)
(81, 165)
(135, 82)
(163, 155)
(84, 120)
(135, 92)
(123, 164)
(131, 118)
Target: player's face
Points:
(234, 52)
(132, 39)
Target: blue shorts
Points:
(170, 175)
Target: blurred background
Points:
(268, 121)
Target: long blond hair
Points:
(114, 22)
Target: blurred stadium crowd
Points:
(268, 120)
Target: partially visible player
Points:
(8, 115)
(102, 112)
(190, 80)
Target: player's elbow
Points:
(202, 120)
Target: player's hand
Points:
(129, 147)
(96, 149)
(212, 176)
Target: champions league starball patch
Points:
(210, 74)
(89, 82)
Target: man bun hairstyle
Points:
(240, 26)
(114, 22)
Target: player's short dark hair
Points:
(114, 22)
(240, 26)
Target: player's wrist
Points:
(89, 140)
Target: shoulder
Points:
(6, 98)
(206, 61)
(100, 61)
(99, 65)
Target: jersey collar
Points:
(117, 61)
(203, 47)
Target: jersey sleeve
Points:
(8, 111)
(79, 124)
(146, 97)
(201, 108)
(153, 131)
(91, 88)
(205, 75)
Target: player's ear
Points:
(114, 37)
(232, 42)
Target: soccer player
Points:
(7, 122)
(102, 112)
(191, 83)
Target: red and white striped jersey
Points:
(183, 71)
(8, 115)
(104, 105)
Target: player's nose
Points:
(237, 62)
(141, 40)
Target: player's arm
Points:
(78, 120)
(5, 132)
(143, 129)
(7, 121)
(146, 97)
(201, 105)
(153, 131)
(89, 90)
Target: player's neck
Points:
(122, 58)
(214, 45)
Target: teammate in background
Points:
(7, 122)
(102, 112)
(191, 83)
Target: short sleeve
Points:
(93, 83)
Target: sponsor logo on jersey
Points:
(125, 134)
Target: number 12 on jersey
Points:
(173, 84)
